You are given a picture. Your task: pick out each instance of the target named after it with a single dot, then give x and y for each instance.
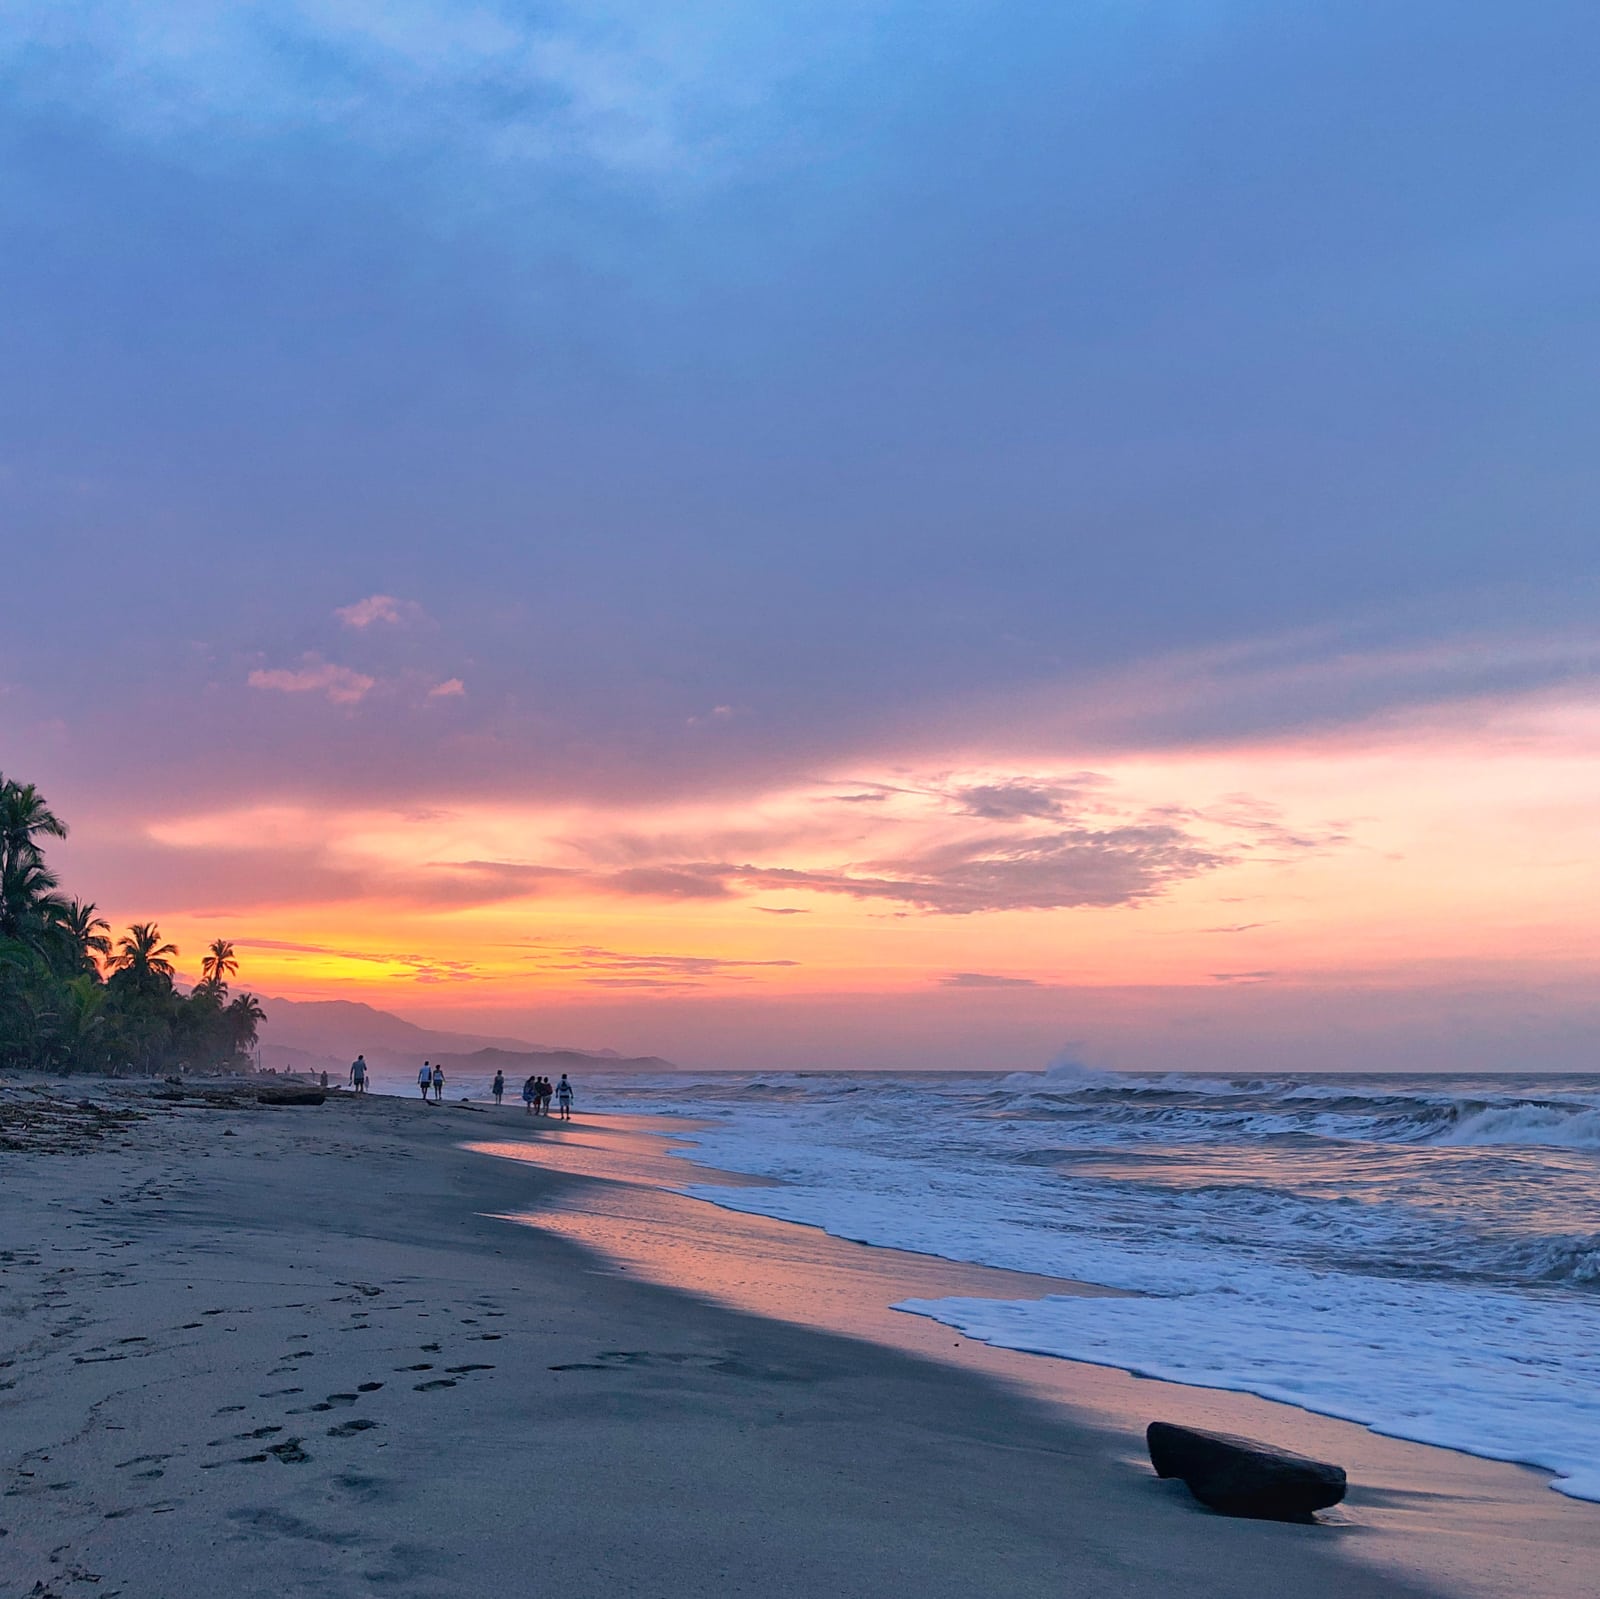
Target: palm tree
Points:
(245, 1016)
(81, 1022)
(141, 953)
(86, 932)
(24, 817)
(29, 904)
(219, 965)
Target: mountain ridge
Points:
(326, 1034)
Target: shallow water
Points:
(1416, 1253)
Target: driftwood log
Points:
(290, 1096)
(1241, 1477)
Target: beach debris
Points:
(290, 1096)
(41, 1120)
(1241, 1477)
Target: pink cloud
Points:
(451, 688)
(340, 684)
(380, 608)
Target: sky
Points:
(777, 535)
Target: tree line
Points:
(72, 1000)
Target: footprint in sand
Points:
(349, 1429)
(330, 1403)
(438, 1382)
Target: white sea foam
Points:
(1461, 1368)
(1414, 1257)
(1528, 1124)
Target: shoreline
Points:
(311, 1357)
(1486, 1526)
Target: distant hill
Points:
(327, 1034)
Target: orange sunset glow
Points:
(1414, 850)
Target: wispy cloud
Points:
(609, 968)
(635, 90)
(985, 980)
(1072, 867)
(1020, 800)
(1356, 675)
(376, 608)
(451, 689)
(667, 882)
(340, 684)
(474, 882)
(419, 968)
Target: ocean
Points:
(1415, 1253)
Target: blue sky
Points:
(742, 393)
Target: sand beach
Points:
(377, 1348)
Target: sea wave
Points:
(1416, 1254)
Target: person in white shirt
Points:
(425, 1080)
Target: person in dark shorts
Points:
(358, 1075)
(530, 1093)
(425, 1080)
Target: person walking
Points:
(425, 1080)
(358, 1075)
(438, 1082)
(498, 1087)
(530, 1092)
(564, 1098)
(545, 1092)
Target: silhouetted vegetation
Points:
(71, 1000)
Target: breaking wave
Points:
(1416, 1253)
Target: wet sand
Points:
(251, 1351)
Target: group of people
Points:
(537, 1092)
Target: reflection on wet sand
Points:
(1472, 1523)
(753, 1263)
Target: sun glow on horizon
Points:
(1469, 838)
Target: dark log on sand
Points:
(290, 1096)
(1241, 1477)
